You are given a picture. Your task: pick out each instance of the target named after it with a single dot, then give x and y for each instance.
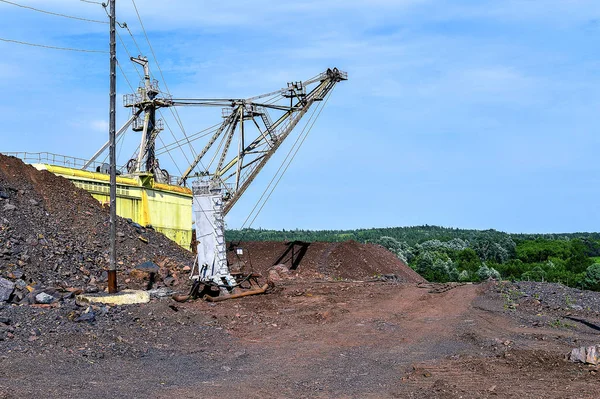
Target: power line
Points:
(124, 26)
(54, 13)
(133, 38)
(125, 76)
(53, 47)
(191, 137)
(174, 138)
(171, 156)
(91, 2)
(173, 111)
(288, 165)
(128, 55)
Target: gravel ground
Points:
(559, 297)
(572, 315)
(309, 339)
(55, 235)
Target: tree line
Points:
(443, 254)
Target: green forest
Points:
(443, 254)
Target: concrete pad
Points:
(125, 297)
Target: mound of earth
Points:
(343, 260)
(53, 234)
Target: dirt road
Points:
(310, 339)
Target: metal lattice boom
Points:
(258, 136)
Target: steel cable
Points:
(53, 47)
(282, 165)
(173, 110)
(290, 162)
(54, 13)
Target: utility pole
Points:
(112, 269)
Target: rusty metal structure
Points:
(235, 152)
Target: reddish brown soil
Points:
(338, 260)
(309, 339)
(327, 330)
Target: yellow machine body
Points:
(167, 208)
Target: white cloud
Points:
(202, 14)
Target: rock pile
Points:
(54, 240)
(334, 260)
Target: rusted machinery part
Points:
(180, 298)
(260, 290)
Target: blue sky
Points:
(463, 113)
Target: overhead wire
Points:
(286, 168)
(279, 169)
(80, 50)
(54, 13)
(170, 156)
(192, 137)
(173, 110)
(175, 138)
(288, 164)
(125, 26)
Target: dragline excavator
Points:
(235, 152)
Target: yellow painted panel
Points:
(167, 208)
(62, 170)
(177, 189)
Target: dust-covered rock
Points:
(44, 298)
(278, 273)
(6, 289)
(586, 354)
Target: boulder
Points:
(149, 267)
(586, 354)
(6, 289)
(44, 298)
(9, 207)
(278, 273)
(87, 317)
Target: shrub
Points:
(435, 267)
(535, 274)
(467, 259)
(400, 249)
(486, 272)
(464, 276)
(592, 277)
